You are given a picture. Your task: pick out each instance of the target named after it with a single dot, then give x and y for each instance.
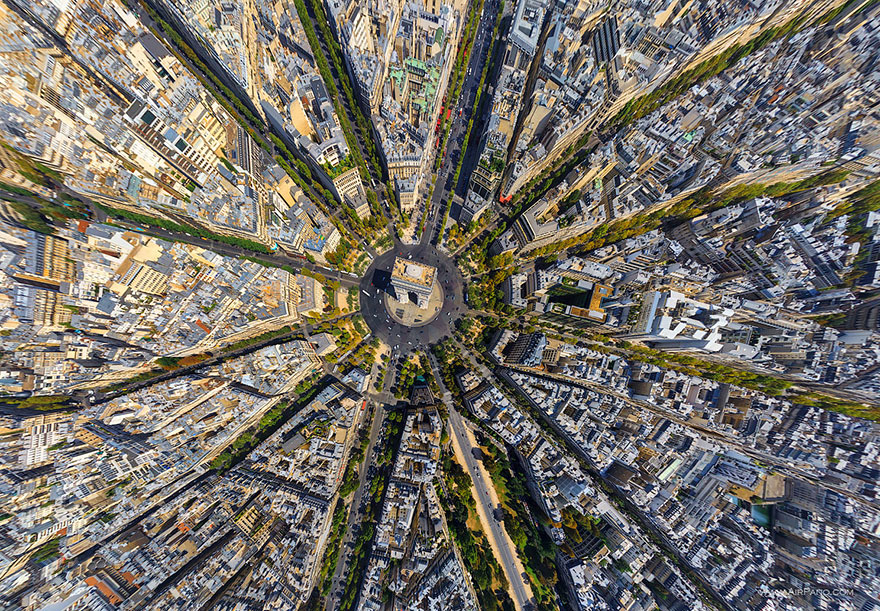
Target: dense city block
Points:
(440, 305)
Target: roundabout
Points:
(401, 323)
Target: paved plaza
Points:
(408, 313)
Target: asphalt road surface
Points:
(355, 515)
(277, 258)
(521, 597)
(377, 282)
(461, 114)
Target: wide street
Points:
(277, 259)
(355, 515)
(375, 282)
(498, 538)
(96, 396)
(461, 114)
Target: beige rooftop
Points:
(410, 271)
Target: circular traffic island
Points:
(408, 312)
(411, 296)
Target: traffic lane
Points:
(357, 510)
(297, 263)
(469, 85)
(99, 397)
(471, 154)
(501, 542)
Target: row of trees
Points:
(303, 387)
(450, 359)
(350, 477)
(28, 216)
(639, 107)
(485, 293)
(833, 404)
(251, 438)
(334, 546)
(458, 233)
(265, 428)
(375, 493)
(612, 492)
(552, 175)
(39, 402)
(457, 77)
(298, 170)
(38, 215)
(327, 77)
(360, 119)
(494, 42)
(459, 506)
(377, 219)
(534, 546)
(714, 371)
(703, 201)
(228, 100)
(858, 206)
(196, 231)
(34, 171)
(648, 103)
(462, 58)
(339, 521)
